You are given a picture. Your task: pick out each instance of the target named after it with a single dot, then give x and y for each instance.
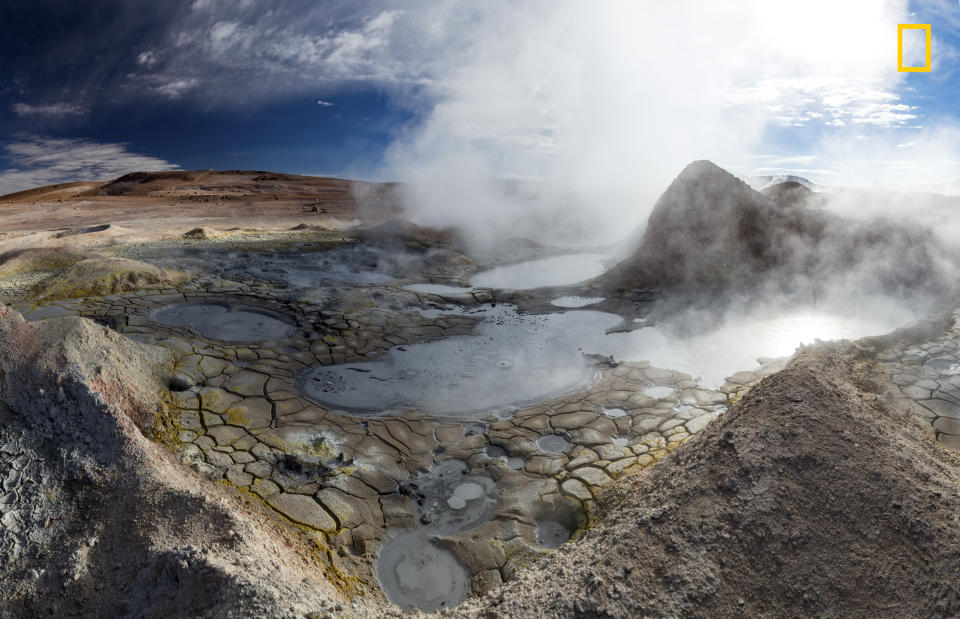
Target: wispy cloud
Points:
(49, 110)
(174, 88)
(40, 160)
(323, 103)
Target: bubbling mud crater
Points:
(412, 568)
(223, 322)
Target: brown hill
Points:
(195, 198)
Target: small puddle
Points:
(415, 572)
(552, 443)
(944, 365)
(552, 534)
(573, 302)
(658, 393)
(555, 271)
(227, 324)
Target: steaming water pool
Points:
(554, 271)
(515, 359)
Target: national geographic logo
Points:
(926, 67)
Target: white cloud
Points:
(176, 88)
(49, 110)
(323, 103)
(147, 59)
(39, 160)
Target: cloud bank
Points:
(597, 107)
(38, 160)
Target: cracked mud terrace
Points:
(418, 437)
(423, 382)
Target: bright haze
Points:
(559, 118)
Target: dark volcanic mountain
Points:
(710, 230)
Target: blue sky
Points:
(446, 92)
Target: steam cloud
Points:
(563, 121)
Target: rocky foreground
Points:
(818, 492)
(813, 496)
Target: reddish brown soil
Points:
(182, 199)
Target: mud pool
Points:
(513, 359)
(224, 323)
(553, 271)
(412, 568)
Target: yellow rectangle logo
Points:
(925, 68)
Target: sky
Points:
(597, 103)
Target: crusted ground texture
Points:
(811, 496)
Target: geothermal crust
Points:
(171, 463)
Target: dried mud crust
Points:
(809, 497)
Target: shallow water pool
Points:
(555, 271)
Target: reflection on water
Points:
(736, 345)
(555, 271)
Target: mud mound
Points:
(201, 234)
(710, 230)
(41, 259)
(98, 277)
(401, 232)
(808, 498)
(790, 193)
(98, 520)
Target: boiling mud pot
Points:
(943, 365)
(552, 534)
(413, 570)
(552, 443)
(555, 271)
(737, 343)
(510, 360)
(516, 359)
(227, 324)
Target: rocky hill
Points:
(709, 230)
(811, 497)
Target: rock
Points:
(592, 476)
(181, 382)
(576, 489)
(302, 509)
(97, 277)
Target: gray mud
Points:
(224, 323)
(412, 568)
(416, 573)
(514, 359)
